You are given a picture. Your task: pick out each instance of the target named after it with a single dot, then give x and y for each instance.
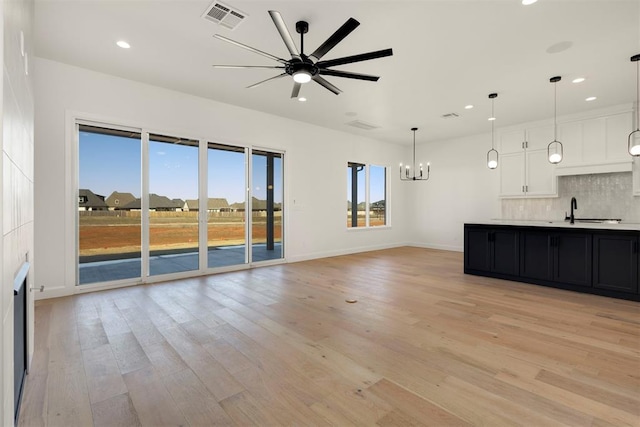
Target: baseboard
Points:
(435, 246)
(328, 254)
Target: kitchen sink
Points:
(598, 220)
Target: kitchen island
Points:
(599, 258)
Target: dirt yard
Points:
(101, 238)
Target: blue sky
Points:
(376, 184)
(112, 163)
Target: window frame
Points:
(367, 187)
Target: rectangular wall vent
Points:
(224, 15)
(450, 116)
(362, 125)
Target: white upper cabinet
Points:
(594, 142)
(524, 168)
(595, 145)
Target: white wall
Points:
(461, 189)
(315, 163)
(16, 165)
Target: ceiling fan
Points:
(305, 68)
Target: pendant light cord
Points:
(638, 96)
(493, 116)
(555, 111)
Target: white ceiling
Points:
(447, 54)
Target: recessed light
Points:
(302, 99)
(123, 44)
(591, 98)
(528, 2)
(578, 80)
(491, 119)
(468, 107)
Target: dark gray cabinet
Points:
(615, 261)
(571, 258)
(535, 254)
(492, 250)
(556, 256)
(603, 262)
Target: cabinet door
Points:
(512, 174)
(535, 255)
(570, 134)
(615, 262)
(504, 254)
(476, 249)
(540, 174)
(511, 141)
(572, 258)
(539, 137)
(617, 131)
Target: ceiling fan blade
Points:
(284, 33)
(252, 49)
(269, 79)
(326, 84)
(335, 38)
(355, 58)
(248, 66)
(348, 75)
(296, 90)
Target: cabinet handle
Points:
(523, 188)
(526, 188)
(635, 247)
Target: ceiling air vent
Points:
(362, 125)
(450, 116)
(224, 15)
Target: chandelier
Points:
(406, 175)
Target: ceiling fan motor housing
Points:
(304, 64)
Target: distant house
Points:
(89, 201)
(256, 205)
(214, 204)
(156, 203)
(117, 200)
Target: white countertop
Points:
(564, 224)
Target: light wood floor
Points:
(423, 345)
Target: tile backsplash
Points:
(607, 195)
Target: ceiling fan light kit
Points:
(305, 68)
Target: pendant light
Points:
(407, 169)
(554, 149)
(492, 155)
(634, 137)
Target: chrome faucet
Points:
(574, 205)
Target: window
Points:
(366, 195)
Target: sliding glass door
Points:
(173, 204)
(109, 183)
(226, 205)
(266, 206)
(152, 204)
